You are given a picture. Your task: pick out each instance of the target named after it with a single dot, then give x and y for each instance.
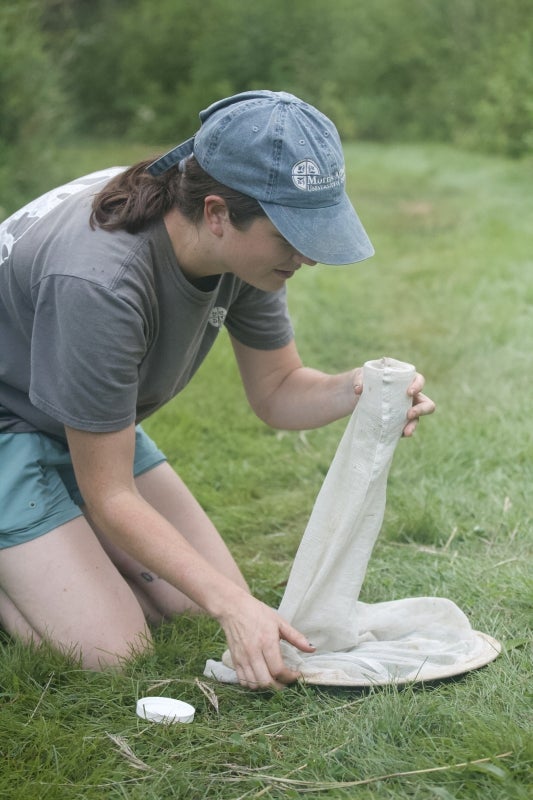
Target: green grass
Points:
(451, 289)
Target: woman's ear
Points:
(216, 214)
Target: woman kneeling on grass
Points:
(113, 289)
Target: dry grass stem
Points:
(40, 699)
(208, 692)
(318, 786)
(127, 752)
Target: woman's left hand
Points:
(422, 404)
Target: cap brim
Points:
(329, 235)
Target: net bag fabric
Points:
(421, 638)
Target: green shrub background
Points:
(454, 71)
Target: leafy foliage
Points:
(457, 71)
(32, 104)
(440, 69)
(447, 70)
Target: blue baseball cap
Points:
(287, 155)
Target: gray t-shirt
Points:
(99, 329)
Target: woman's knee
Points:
(84, 607)
(99, 656)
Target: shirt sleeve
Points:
(260, 319)
(87, 345)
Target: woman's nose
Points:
(301, 259)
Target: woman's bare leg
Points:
(62, 587)
(167, 493)
(76, 589)
(14, 622)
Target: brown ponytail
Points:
(133, 199)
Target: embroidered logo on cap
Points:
(307, 177)
(303, 172)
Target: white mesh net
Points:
(358, 644)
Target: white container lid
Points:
(165, 710)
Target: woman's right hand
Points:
(253, 631)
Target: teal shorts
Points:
(38, 490)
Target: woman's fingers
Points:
(422, 405)
(255, 649)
